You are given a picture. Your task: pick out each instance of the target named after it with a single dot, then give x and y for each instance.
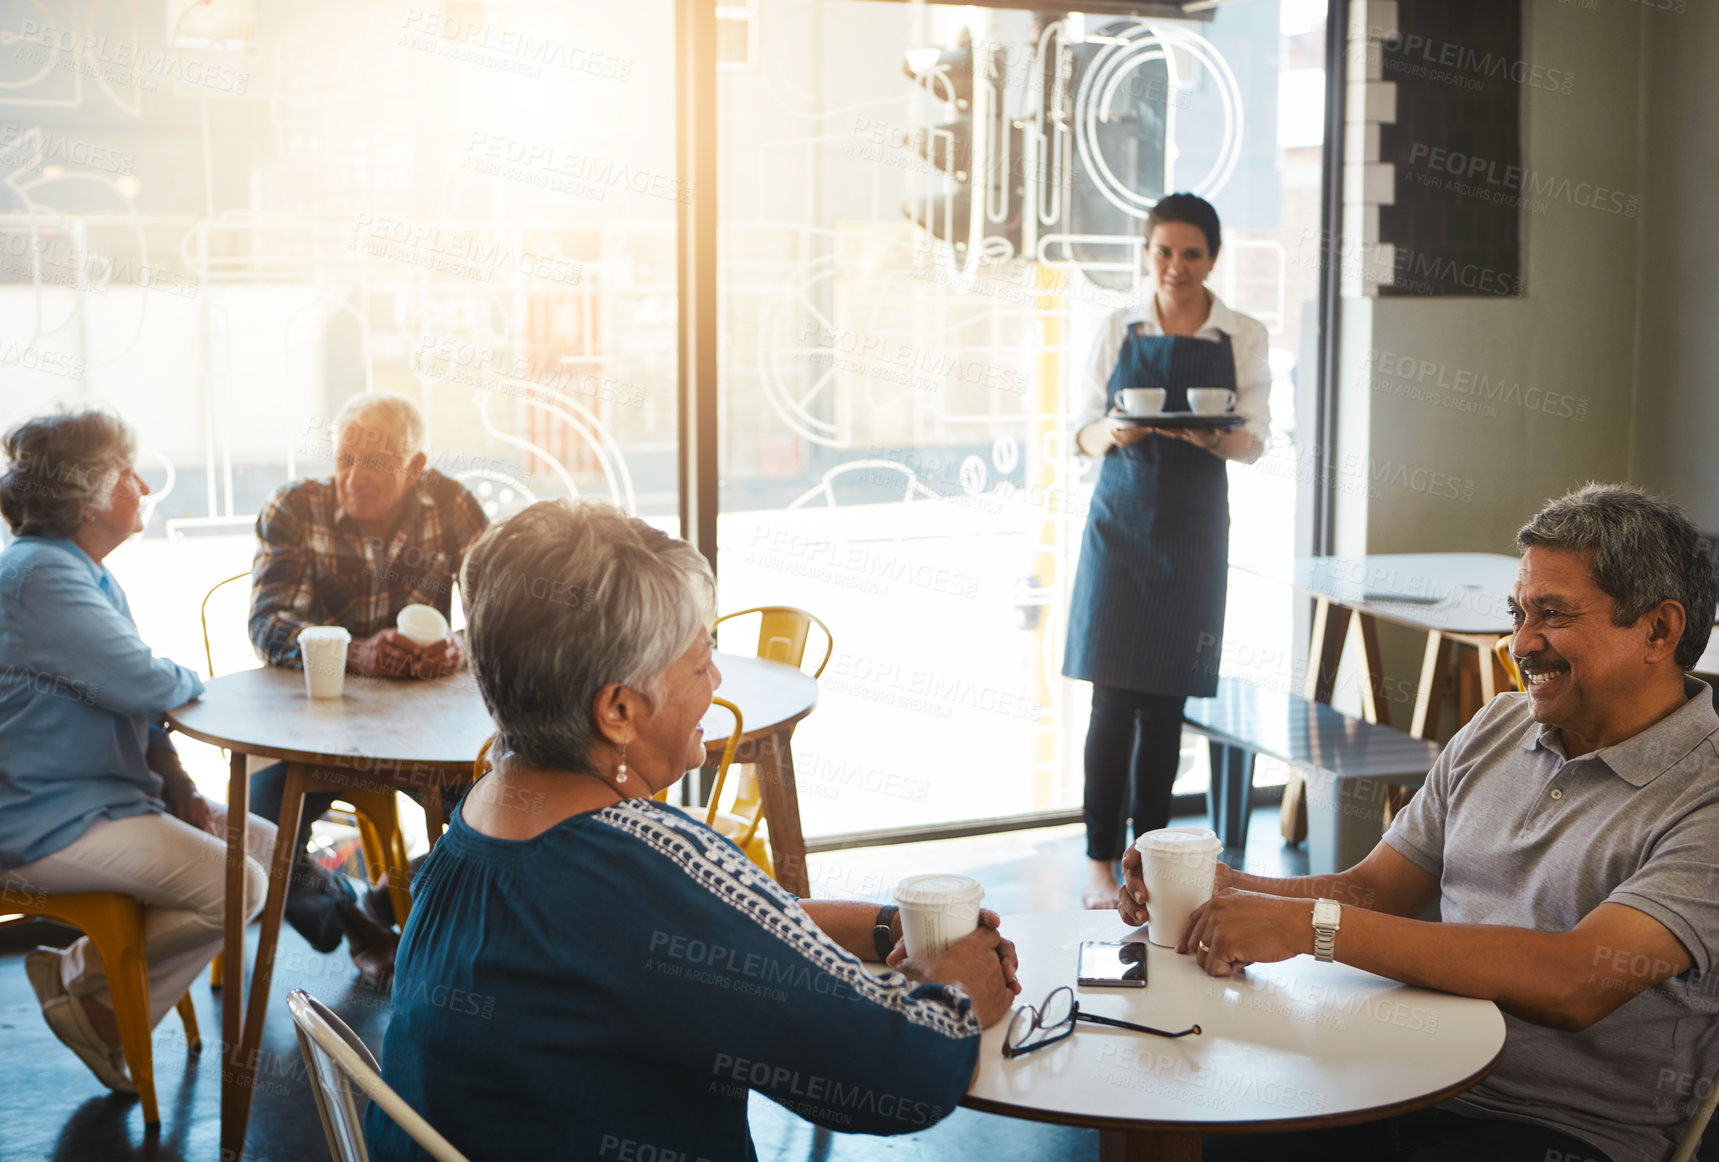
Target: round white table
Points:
(1296, 1045)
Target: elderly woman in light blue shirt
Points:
(93, 797)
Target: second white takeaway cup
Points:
(936, 911)
(1179, 865)
(424, 624)
(323, 648)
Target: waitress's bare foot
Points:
(1102, 879)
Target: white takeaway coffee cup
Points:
(1211, 401)
(424, 624)
(323, 648)
(1143, 401)
(1178, 864)
(936, 911)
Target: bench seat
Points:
(1347, 765)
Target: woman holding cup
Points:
(1147, 617)
(584, 965)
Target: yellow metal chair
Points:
(1501, 651)
(114, 923)
(375, 812)
(782, 634)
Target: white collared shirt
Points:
(1248, 343)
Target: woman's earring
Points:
(621, 771)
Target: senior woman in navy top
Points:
(93, 797)
(588, 973)
(1146, 624)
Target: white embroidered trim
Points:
(723, 870)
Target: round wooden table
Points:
(387, 734)
(1296, 1045)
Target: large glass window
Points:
(225, 219)
(926, 212)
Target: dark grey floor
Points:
(52, 1108)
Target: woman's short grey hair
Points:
(1642, 551)
(59, 467)
(393, 413)
(565, 598)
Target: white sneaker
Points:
(66, 1017)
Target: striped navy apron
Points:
(1148, 606)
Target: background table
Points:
(387, 734)
(1471, 611)
(1296, 1045)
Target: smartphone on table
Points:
(1113, 964)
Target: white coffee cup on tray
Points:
(1143, 401)
(1211, 401)
(424, 624)
(1179, 865)
(323, 648)
(936, 911)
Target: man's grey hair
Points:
(58, 467)
(565, 598)
(396, 415)
(1642, 551)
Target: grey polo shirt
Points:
(1519, 834)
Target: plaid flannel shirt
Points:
(315, 566)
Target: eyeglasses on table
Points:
(1034, 1028)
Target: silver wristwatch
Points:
(1327, 918)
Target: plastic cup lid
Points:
(1180, 841)
(324, 633)
(938, 890)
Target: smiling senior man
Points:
(1570, 836)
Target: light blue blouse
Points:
(81, 700)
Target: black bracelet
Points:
(880, 931)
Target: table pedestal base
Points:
(1147, 1146)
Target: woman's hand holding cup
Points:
(1131, 901)
(981, 962)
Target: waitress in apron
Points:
(1146, 624)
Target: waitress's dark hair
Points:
(1189, 208)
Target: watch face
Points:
(1326, 912)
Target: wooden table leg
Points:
(1429, 699)
(233, 948)
(435, 813)
(1374, 706)
(241, 1072)
(1148, 1146)
(1330, 629)
(782, 810)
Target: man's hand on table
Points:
(391, 654)
(1131, 900)
(1236, 928)
(178, 792)
(982, 962)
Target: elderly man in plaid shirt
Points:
(384, 533)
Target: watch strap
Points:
(882, 937)
(1324, 935)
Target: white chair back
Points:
(336, 1059)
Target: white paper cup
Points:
(1143, 401)
(323, 648)
(1178, 864)
(936, 911)
(424, 624)
(1211, 401)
